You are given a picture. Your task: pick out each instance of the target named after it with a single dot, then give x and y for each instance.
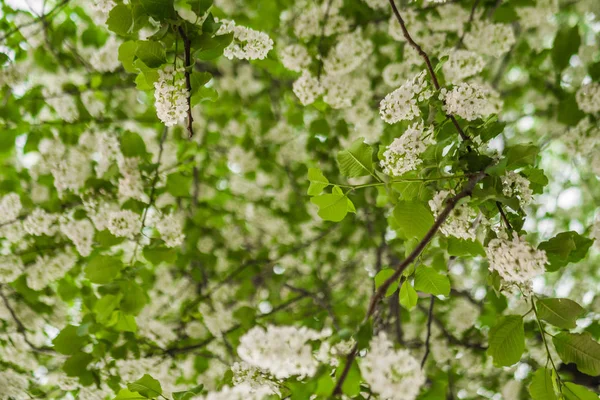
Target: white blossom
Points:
(462, 64)
(14, 385)
(349, 52)
(10, 268)
(402, 155)
(247, 44)
(170, 227)
(282, 351)
(239, 392)
(516, 185)
(516, 261)
(40, 222)
(588, 98)
(402, 103)
(462, 315)
(10, 207)
(307, 88)
(106, 58)
(124, 223)
(392, 374)
(170, 96)
(460, 221)
(294, 57)
(48, 269)
(81, 233)
(471, 101)
(103, 5)
(490, 39)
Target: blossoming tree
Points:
(313, 199)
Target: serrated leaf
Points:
(542, 385)
(132, 144)
(151, 53)
(566, 43)
(103, 269)
(126, 55)
(579, 348)
(68, 340)
(559, 312)
(521, 155)
(188, 394)
(209, 47)
(573, 391)
(414, 219)
(120, 20)
(126, 394)
(159, 9)
(464, 247)
(408, 296)
(146, 386)
(105, 307)
(383, 276)
(507, 341)
(428, 280)
(317, 180)
(565, 248)
(357, 160)
(332, 207)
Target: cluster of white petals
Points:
(247, 43)
(462, 316)
(462, 64)
(490, 39)
(349, 52)
(392, 374)
(307, 88)
(170, 227)
(10, 268)
(281, 351)
(471, 101)
(124, 223)
(103, 5)
(402, 155)
(10, 207)
(460, 221)
(309, 22)
(588, 98)
(516, 185)
(40, 222)
(14, 385)
(239, 392)
(294, 57)
(170, 96)
(516, 261)
(81, 233)
(48, 269)
(106, 58)
(402, 103)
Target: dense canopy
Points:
(299, 199)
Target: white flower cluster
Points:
(588, 98)
(401, 104)
(393, 374)
(490, 39)
(40, 222)
(349, 52)
(170, 227)
(516, 261)
(582, 140)
(65, 106)
(10, 207)
(294, 57)
(308, 22)
(81, 233)
(10, 268)
(170, 96)
(460, 221)
(247, 43)
(462, 64)
(462, 316)
(124, 223)
(516, 185)
(106, 58)
(395, 74)
(48, 269)
(239, 392)
(471, 101)
(217, 319)
(14, 385)
(377, 4)
(307, 88)
(281, 351)
(131, 185)
(103, 5)
(403, 154)
(245, 374)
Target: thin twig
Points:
(378, 295)
(503, 214)
(187, 44)
(428, 64)
(428, 339)
(35, 21)
(325, 18)
(467, 25)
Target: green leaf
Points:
(126, 394)
(428, 280)
(507, 341)
(179, 185)
(210, 47)
(105, 307)
(573, 391)
(200, 7)
(332, 207)
(151, 53)
(127, 54)
(565, 248)
(579, 348)
(408, 296)
(157, 255)
(542, 385)
(159, 9)
(134, 298)
(204, 94)
(317, 180)
(383, 276)
(146, 386)
(414, 219)
(521, 155)
(132, 144)
(351, 386)
(566, 43)
(464, 247)
(559, 312)
(125, 323)
(103, 269)
(357, 160)
(120, 20)
(188, 394)
(68, 341)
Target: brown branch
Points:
(428, 64)
(428, 339)
(378, 295)
(187, 44)
(467, 25)
(504, 218)
(42, 18)
(319, 45)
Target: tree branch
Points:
(188, 80)
(428, 64)
(378, 295)
(427, 340)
